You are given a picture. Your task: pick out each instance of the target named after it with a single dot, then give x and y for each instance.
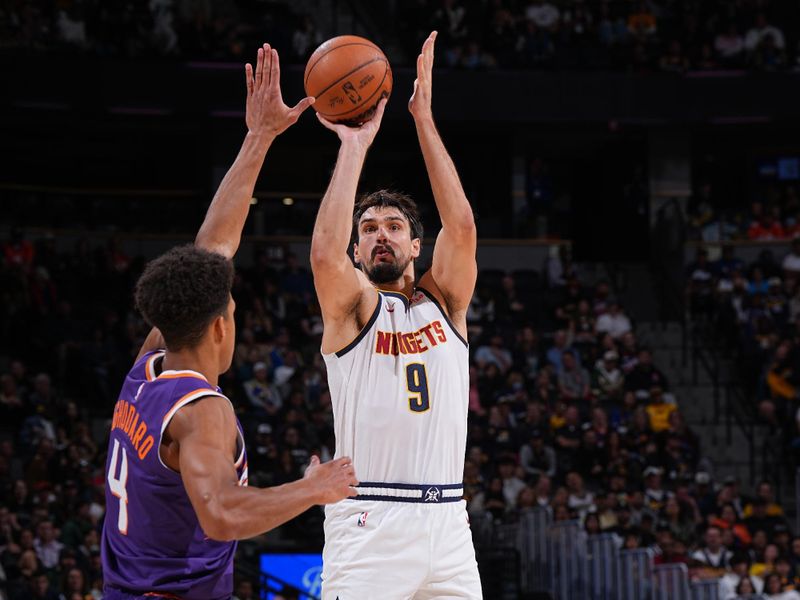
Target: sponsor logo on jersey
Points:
(416, 342)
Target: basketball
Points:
(348, 75)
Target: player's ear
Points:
(416, 246)
(356, 258)
(218, 329)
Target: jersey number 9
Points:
(417, 381)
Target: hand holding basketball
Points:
(266, 112)
(362, 135)
(420, 102)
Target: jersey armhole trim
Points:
(183, 401)
(150, 365)
(433, 299)
(364, 330)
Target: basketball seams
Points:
(310, 68)
(358, 68)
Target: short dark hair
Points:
(182, 291)
(385, 198)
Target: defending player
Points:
(397, 362)
(176, 493)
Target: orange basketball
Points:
(348, 75)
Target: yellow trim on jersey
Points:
(394, 292)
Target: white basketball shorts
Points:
(398, 551)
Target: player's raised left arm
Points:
(454, 269)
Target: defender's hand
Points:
(363, 135)
(332, 481)
(266, 113)
(420, 103)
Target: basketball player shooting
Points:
(176, 495)
(397, 361)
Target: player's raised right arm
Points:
(267, 117)
(339, 286)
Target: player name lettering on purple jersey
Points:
(152, 540)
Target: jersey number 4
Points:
(417, 380)
(117, 485)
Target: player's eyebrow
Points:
(384, 219)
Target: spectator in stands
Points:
(714, 554)
(700, 277)
(764, 225)
(759, 520)
(745, 588)
(729, 45)
(791, 262)
(536, 49)
(674, 61)
(536, 457)
(729, 582)
(48, 548)
(614, 321)
(568, 439)
(655, 496)
(512, 485)
(608, 381)
(573, 380)
(774, 588)
(495, 353)
(265, 400)
(760, 32)
(561, 344)
(783, 569)
(642, 22)
(765, 493)
(544, 14)
(679, 519)
(579, 500)
(645, 375)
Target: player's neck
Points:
(192, 359)
(403, 285)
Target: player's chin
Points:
(384, 272)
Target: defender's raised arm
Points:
(267, 117)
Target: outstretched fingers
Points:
(259, 68)
(275, 71)
(427, 52)
(248, 75)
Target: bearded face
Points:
(385, 248)
(385, 266)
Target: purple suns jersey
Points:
(152, 541)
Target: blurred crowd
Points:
(754, 309)
(775, 217)
(639, 35)
(142, 29)
(567, 410)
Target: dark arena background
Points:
(634, 170)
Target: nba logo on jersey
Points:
(433, 494)
(362, 519)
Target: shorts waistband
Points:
(409, 492)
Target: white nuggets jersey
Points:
(400, 394)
